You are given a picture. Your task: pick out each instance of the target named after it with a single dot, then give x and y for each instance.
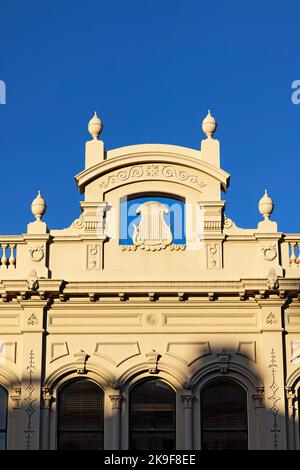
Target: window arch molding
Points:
(97, 393)
(12, 385)
(55, 383)
(173, 377)
(241, 376)
(293, 407)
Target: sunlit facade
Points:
(153, 321)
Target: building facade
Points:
(152, 321)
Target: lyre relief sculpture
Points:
(152, 233)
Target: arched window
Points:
(224, 416)
(3, 417)
(80, 416)
(152, 416)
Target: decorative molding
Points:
(93, 256)
(117, 353)
(32, 281)
(79, 223)
(58, 350)
(188, 353)
(81, 358)
(223, 360)
(37, 253)
(228, 223)
(275, 430)
(295, 351)
(30, 410)
(259, 397)
(153, 358)
(171, 247)
(269, 252)
(32, 320)
(213, 256)
(187, 400)
(47, 397)
(247, 349)
(152, 233)
(152, 319)
(151, 172)
(8, 350)
(272, 282)
(16, 397)
(116, 401)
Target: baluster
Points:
(4, 258)
(293, 256)
(12, 259)
(298, 258)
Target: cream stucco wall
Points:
(74, 303)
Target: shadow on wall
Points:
(218, 401)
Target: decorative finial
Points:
(95, 126)
(38, 206)
(266, 206)
(209, 125)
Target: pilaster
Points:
(274, 436)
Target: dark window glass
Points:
(3, 417)
(81, 416)
(152, 416)
(224, 416)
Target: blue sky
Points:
(151, 69)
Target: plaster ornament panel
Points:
(269, 252)
(36, 253)
(213, 256)
(8, 350)
(247, 349)
(152, 320)
(93, 256)
(295, 351)
(152, 233)
(58, 350)
(157, 171)
(117, 353)
(188, 353)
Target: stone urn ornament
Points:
(38, 207)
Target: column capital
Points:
(188, 400)
(116, 401)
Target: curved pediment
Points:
(151, 162)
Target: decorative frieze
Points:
(157, 171)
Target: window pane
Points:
(3, 409)
(152, 416)
(2, 440)
(81, 416)
(224, 416)
(223, 441)
(80, 441)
